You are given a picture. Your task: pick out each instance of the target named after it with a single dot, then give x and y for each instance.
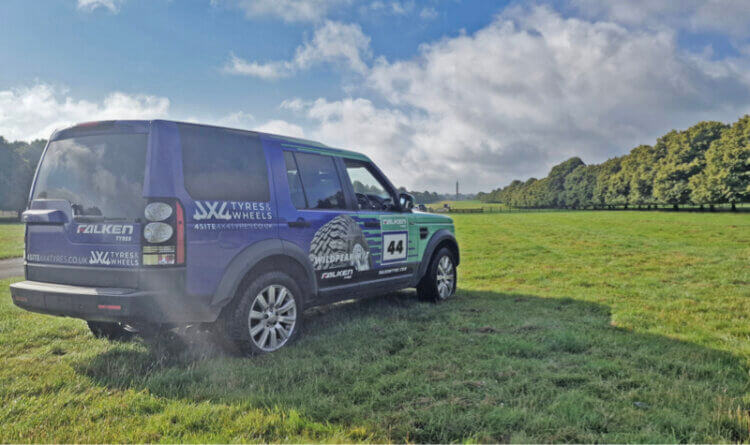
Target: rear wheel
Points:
(109, 330)
(440, 281)
(266, 316)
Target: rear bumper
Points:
(109, 304)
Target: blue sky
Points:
(177, 49)
(435, 91)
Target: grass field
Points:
(579, 327)
(469, 204)
(11, 240)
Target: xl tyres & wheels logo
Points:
(340, 243)
(231, 211)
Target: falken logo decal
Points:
(232, 211)
(105, 229)
(341, 273)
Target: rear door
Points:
(320, 218)
(86, 206)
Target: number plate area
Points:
(395, 247)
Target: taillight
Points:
(157, 232)
(180, 222)
(164, 234)
(158, 211)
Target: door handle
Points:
(300, 223)
(372, 224)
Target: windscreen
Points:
(100, 175)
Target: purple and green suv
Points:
(133, 225)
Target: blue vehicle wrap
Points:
(86, 227)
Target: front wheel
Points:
(440, 281)
(266, 316)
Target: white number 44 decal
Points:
(394, 246)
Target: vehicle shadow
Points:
(486, 366)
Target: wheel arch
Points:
(265, 256)
(441, 238)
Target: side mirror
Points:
(407, 201)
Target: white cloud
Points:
(281, 127)
(35, 112)
(428, 13)
(333, 42)
(90, 5)
(286, 10)
(402, 8)
(526, 92)
(377, 5)
(238, 119)
(722, 16)
(266, 71)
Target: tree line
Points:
(18, 162)
(707, 164)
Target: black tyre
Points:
(440, 281)
(108, 330)
(265, 316)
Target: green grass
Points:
(578, 327)
(469, 204)
(11, 240)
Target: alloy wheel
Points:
(272, 318)
(446, 277)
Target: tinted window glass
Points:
(295, 184)
(226, 165)
(372, 193)
(363, 181)
(321, 181)
(100, 175)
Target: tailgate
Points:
(83, 225)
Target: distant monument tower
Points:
(457, 194)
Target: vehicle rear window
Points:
(320, 181)
(100, 175)
(223, 165)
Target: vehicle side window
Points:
(372, 193)
(296, 192)
(320, 181)
(223, 165)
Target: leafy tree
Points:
(617, 190)
(684, 158)
(525, 194)
(16, 174)
(607, 169)
(726, 176)
(641, 162)
(507, 195)
(579, 186)
(554, 195)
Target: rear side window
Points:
(100, 175)
(223, 165)
(320, 180)
(296, 192)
